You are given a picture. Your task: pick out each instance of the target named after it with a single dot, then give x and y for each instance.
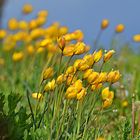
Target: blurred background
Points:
(82, 14)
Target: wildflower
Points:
(79, 48)
(78, 35)
(106, 94)
(2, 34)
(119, 28)
(92, 77)
(60, 79)
(124, 103)
(37, 95)
(107, 97)
(61, 43)
(23, 25)
(63, 30)
(81, 65)
(2, 62)
(40, 21)
(136, 38)
(108, 55)
(89, 59)
(78, 85)
(81, 94)
(48, 73)
(87, 73)
(32, 24)
(27, 8)
(101, 78)
(107, 103)
(104, 24)
(17, 56)
(30, 49)
(43, 13)
(70, 70)
(96, 86)
(50, 86)
(97, 56)
(69, 50)
(13, 24)
(71, 79)
(113, 76)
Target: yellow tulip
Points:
(37, 95)
(136, 38)
(48, 73)
(27, 8)
(17, 56)
(108, 55)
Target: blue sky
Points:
(85, 15)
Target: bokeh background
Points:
(83, 14)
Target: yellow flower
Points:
(13, 24)
(43, 13)
(27, 8)
(104, 24)
(101, 138)
(50, 86)
(81, 94)
(106, 94)
(78, 35)
(71, 79)
(87, 73)
(89, 59)
(78, 85)
(96, 86)
(108, 55)
(63, 30)
(37, 95)
(124, 103)
(23, 25)
(40, 21)
(119, 28)
(69, 50)
(48, 73)
(92, 77)
(32, 24)
(60, 79)
(79, 48)
(107, 103)
(30, 49)
(97, 56)
(113, 76)
(2, 62)
(17, 56)
(136, 38)
(101, 78)
(61, 43)
(70, 70)
(81, 65)
(2, 34)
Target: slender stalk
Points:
(133, 116)
(45, 109)
(97, 40)
(60, 63)
(32, 114)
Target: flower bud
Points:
(92, 77)
(81, 94)
(136, 38)
(79, 48)
(119, 28)
(37, 95)
(50, 86)
(87, 73)
(61, 43)
(97, 56)
(104, 24)
(108, 55)
(17, 56)
(48, 73)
